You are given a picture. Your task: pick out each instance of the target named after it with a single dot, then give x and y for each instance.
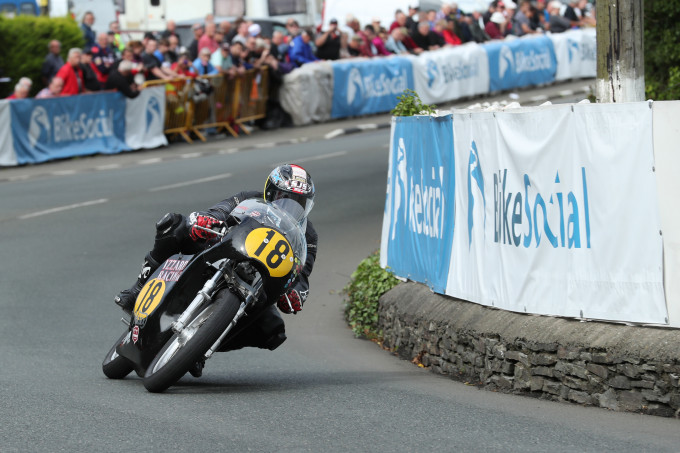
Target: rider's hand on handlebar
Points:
(290, 302)
(203, 221)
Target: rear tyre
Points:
(114, 365)
(181, 351)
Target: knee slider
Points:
(169, 222)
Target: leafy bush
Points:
(662, 53)
(23, 47)
(368, 283)
(410, 104)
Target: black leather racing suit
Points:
(172, 236)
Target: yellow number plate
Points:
(272, 249)
(149, 298)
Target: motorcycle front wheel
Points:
(114, 365)
(184, 349)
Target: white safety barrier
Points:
(550, 210)
(318, 92)
(576, 52)
(667, 168)
(451, 73)
(307, 93)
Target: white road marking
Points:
(565, 93)
(265, 145)
(190, 155)
(64, 208)
(155, 160)
(229, 151)
(333, 134)
(366, 127)
(63, 172)
(309, 159)
(191, 183)
(539, 98)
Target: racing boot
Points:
(126, 299)
(196, 369)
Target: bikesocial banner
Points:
(47, 129)
(451, 73)
(557, 212)
(419, 212)
(7, 155)
(576, 52)
(369, 86)
(145, 119)
(520, 62)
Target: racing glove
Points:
(198, 222)
(291, 302)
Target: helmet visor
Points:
(296, 205)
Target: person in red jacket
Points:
(71, 74)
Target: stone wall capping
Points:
(613, 366)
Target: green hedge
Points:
(368, 283)
(23, 46)
(662, 49)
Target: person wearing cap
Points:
(496, 26)
(254, 30)
(328, 44)
(300, 52)
(494, 6)
(293, 29)
(193, 47)
(202, 64)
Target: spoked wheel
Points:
(184, 349)
(114, 365)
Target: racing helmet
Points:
(291, 182)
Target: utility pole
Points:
(620, 51)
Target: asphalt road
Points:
(73, 234)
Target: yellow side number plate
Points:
(272, 249)
(149, 298)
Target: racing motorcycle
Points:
(193, 305)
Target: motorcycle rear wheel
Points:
(114, 365)
(184, 349)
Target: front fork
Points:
(206, 293)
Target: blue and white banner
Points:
(520, 62)
(47, 129)
(145, 119)
(39, 130)
(576, 52)
(419, 212)
(555, 208)
(369, 86)
(451, 73)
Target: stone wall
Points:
(618, 367)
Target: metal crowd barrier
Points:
(217, 102)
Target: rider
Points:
(176, 233)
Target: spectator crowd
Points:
(113, 61)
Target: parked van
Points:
(11, 8)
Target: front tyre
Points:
(184, 349)
(116, 366)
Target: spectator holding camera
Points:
(184, 67)
(121, 79)
(328, 44)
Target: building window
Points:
(283, 7)
(229, 8)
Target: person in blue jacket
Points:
(202, 63)
(300, 52)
